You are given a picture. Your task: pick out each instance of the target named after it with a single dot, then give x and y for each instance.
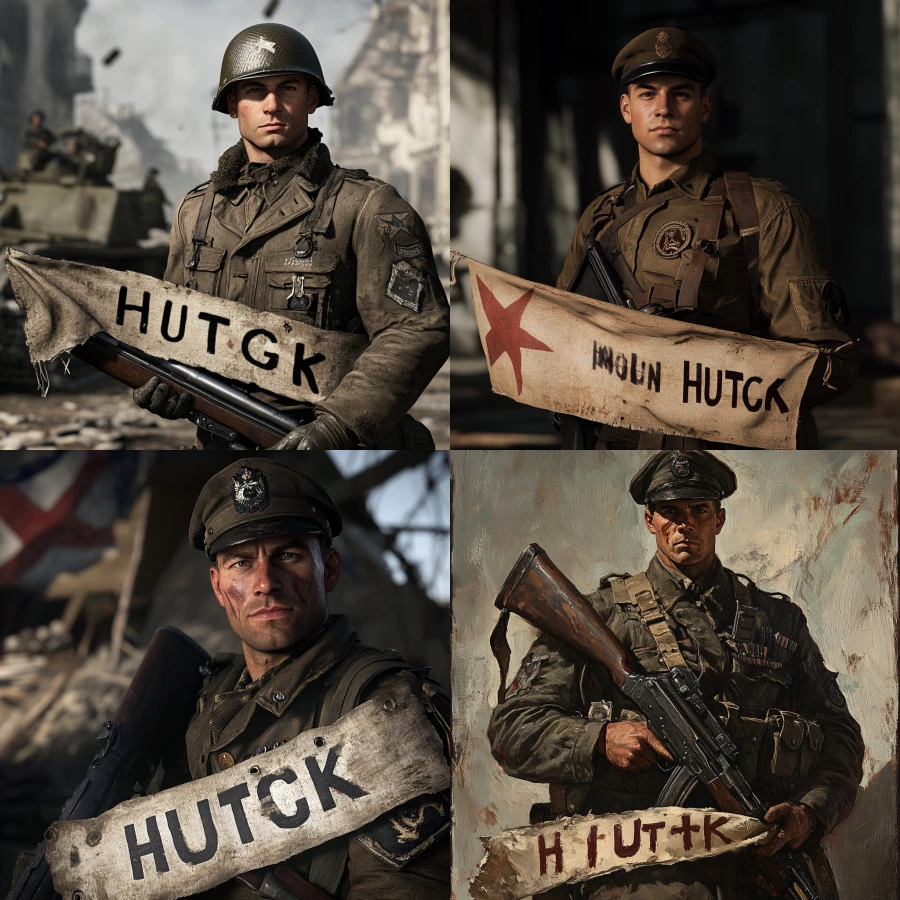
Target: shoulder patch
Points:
(407, 831)
(528, 671)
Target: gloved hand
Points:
(325, 432)
(163, 400)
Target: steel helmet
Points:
(269, 49)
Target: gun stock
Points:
(537, 591)
(218, 407)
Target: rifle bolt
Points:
(93, 838)
(51, 834)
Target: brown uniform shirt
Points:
(237, 719)
(374, 250)
(798, 299)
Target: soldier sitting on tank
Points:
(281, 228)
(36, 141)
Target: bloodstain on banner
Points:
(525, 861)
(65, 303)
(324, 783)
(571, 354)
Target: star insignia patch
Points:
(391, 224)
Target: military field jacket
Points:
(277, 707)
(798, 299)
(371, 272)
(546, 730)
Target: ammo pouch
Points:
(783, 745)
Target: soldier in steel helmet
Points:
(267, 531)
(564, 721)
(36, 141)
(716, 248)
(279, 227)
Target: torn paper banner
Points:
(66, 302)
(571, 354)
(526, 861)
(322, 784)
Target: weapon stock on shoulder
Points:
(153, 714)
(218, 407)
(540, 593)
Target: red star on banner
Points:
(506, 334)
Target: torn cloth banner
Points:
(65, 303)
(571, 354)
(321, 785)
(526, 861)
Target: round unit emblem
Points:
(671, 239)
(663, 45)
(681, 466)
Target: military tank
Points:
(69, 209)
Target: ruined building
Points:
(39, 66)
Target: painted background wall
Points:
(819, 526)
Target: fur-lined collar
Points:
(306, 160)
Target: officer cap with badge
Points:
(682, 475)
(665, 51)
(254, 498)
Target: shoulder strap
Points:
(356, 671)
(712, 207)
(201, 227)
(641, 593)
(740, 195)
(319, 217)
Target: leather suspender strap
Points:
(641, 593)
(201, 227)
(743, 202)
(712, 207)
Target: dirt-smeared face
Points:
(685, 532)
(274, 589)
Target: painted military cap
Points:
(269, 49)
(682, 475)
(256, 497)
(665, 51)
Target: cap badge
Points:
(681, 467)
(269, 46)
(250, 490)
(671, 239)
(663, 45)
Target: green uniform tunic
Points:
(237, 719)
(374, 250)
(542, 731)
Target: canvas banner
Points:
(322, 784)
(571, 354)
(526, 861)
(66, 302)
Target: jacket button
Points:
(278, 697)
(226, 760)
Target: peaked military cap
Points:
(682, 475)
(665, 51)
(269, 49)
(256, 497)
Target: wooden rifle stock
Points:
(537, 591)
(133, 373)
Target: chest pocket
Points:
(208, 271)
(300, 289)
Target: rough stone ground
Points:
(867, 417)
(88, 411)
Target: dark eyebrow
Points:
(643, 86)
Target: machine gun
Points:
(672, 703)
(218, 407)
(152, 717)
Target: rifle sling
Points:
(637, 590)
(198, 239)
(711, 211)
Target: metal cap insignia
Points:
(681, 467)
(663, 45)
(250, 490)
